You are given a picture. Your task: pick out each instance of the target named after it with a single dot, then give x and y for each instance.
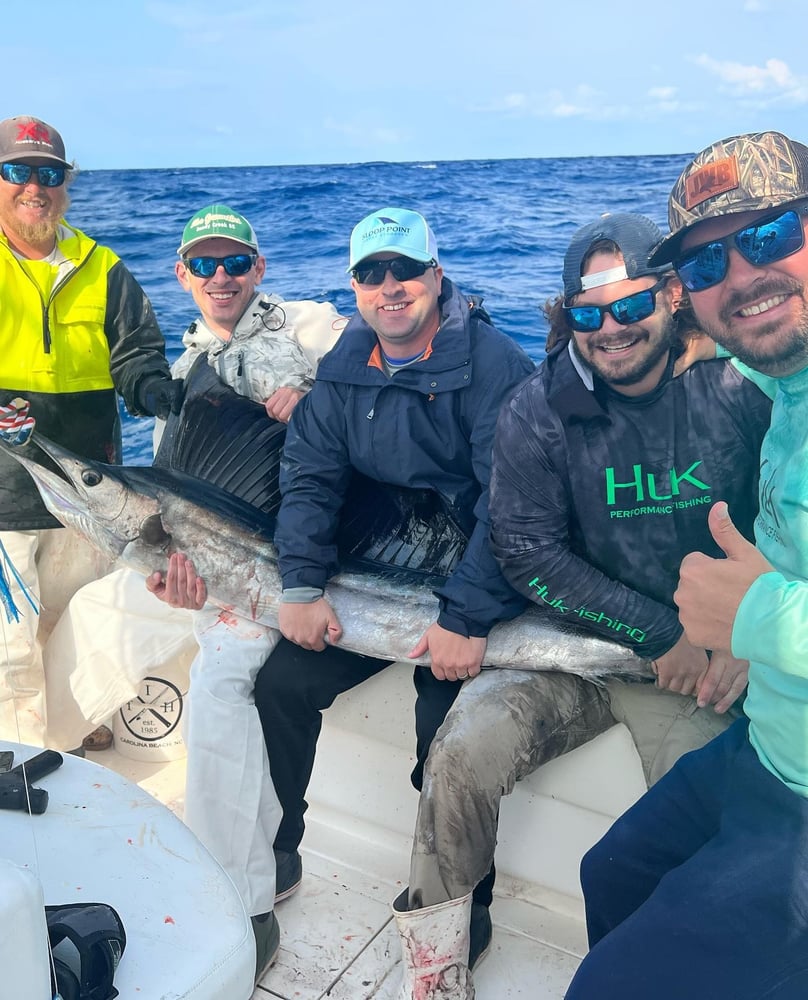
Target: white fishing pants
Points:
(230, 801)
(112, 635)
(53, 564)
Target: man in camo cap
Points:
(701, 889)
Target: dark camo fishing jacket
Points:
(596, 497)
(430, 426)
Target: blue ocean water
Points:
(502, 227)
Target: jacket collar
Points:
(351, 358)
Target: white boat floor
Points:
(338, 940)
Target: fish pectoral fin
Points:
(152, 531)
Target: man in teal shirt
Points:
(701, 889)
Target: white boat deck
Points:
(337, 936)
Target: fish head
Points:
(102, 502)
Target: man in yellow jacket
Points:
(76, 329)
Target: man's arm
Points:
(476, 595)
(136, 344)
(711, 591)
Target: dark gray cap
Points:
(24, 137)
(635, 235)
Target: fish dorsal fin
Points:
(229, 441)
(225, 439)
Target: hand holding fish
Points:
(453, 657)
(310, 625)
(724, 681)
(682, 667)
(711, 590)
(181, 587)
(280, 404)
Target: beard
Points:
(38, 233)
(633, 370)
(775, 349)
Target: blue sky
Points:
(159, 83)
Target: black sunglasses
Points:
(762, 244)
(402, 269)
(235, 264)
(20, 173)
(630, 309)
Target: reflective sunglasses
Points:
(761, 244)
(402, 269)
(235, 264)
(630, 309)
(20, 173)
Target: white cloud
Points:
(773, 79)
(583, 102)
(662, 93)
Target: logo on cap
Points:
(33, 131)
(711, 180)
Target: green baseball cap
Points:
(217, 221)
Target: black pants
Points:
(293, 688)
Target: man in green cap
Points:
(268, 349)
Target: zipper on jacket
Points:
(46, 334)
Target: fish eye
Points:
(90, 477)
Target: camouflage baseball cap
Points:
(743, 173)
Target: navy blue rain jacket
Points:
(431, 425)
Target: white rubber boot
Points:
(435, 950)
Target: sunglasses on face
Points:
(235, 264)
(20, 173)
(402, 269)
(630, 309)
(761, 244)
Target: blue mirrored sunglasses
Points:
(235, 264)
(402, 269)
(630, 309)
(761, 244)
(20, 173)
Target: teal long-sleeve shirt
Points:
(771, 626)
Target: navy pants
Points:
(700, 890)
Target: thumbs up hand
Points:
(710, 590)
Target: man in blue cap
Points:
(409, 397)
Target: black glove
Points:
(159, 396)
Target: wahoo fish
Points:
(138, 516)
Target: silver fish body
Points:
(139, 516)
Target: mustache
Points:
(766, 288)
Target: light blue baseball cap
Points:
(393, 230)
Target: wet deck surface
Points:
(337, 936)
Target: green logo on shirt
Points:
(644, 484)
